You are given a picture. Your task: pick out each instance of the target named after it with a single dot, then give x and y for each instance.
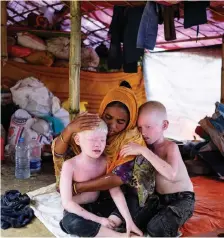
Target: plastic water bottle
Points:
(34, 152)
(22, 169)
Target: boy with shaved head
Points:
(173, 185)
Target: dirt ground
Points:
(8, 182)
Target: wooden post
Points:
(75, 57)
(4, 53)
(222, 72)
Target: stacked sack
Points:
(60, 48)
(54, 52)
(40, 116)
(30, 49)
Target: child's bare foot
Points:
(134, 235)
(131, 235)
(116, 220)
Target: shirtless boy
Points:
(173, 185)
(88, 165)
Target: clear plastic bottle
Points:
(22, 168)
(34, 154)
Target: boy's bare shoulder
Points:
(171, 147)
(102, 160)
(102, 163)
(171, 144)
(70, 163)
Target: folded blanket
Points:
(46, 203)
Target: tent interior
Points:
(184, 73)
(95, 23)
(97, 15)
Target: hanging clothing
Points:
(148, 29)
(124, 29)
(169, 13)
(154, 14)
(132, 54)
(195, 13)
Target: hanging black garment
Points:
(195, 13)
(124, 29)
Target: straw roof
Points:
(97, 15)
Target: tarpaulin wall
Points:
(209, 207)
(93, 85)
(188, 82)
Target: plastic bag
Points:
(31, 95)
(31, 41)
(17, 126)
(59, 47)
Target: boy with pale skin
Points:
(173, 185)
(89, 164)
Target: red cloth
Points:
(201, 132)
(18, 51)
(209, 209)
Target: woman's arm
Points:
(105, 182)
(62, 142)
(58, 162)
(82, 122)
(121, 174)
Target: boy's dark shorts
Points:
(162, 215)
(173, 211)
(76, 225)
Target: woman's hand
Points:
(84, 121)
(132, 149)
(132, 228)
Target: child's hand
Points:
(131, 149)
(132, 228)
(107, 223)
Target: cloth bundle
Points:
(15, 211)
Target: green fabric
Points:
(143, 179)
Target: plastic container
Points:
(34, 154)
(22, 168)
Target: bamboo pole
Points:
(222, 72)
(75, 58)
(4, 53)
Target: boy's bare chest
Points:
(86, 173)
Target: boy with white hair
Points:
(89, 164)
(173, 185)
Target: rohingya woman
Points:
(119, 110)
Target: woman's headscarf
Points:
(125, 96)
(130, 134)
